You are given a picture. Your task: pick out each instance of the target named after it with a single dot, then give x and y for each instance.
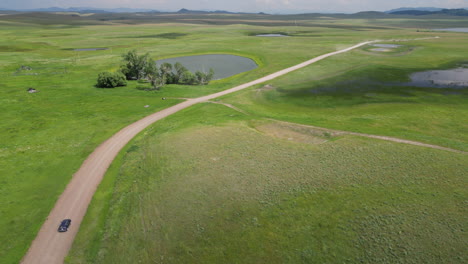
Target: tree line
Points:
(142, 67)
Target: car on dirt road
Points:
(64, 225)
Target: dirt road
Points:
(50, 247)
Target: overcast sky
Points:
(270, 6)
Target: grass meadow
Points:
(368, 92)
(212, 185)
(46, 136)
(204, 199)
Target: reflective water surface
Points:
(271, 35)
(453, 78)
(224, 65)
(465, 30)
(91, 49)
(388, 46)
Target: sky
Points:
(268, 6)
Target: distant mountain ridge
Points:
(417, 11)
(85, 10)
(430, 9)
(187, 11)
(450, 12)
(118, 10)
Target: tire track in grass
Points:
(342, 132)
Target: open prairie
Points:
(212, 184)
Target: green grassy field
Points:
(366, 92)
(46, 136)
(212, 185)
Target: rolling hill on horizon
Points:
(398, 11)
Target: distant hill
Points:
(87, 10)
(187, 11)
(411, 11)
(368, 14)
(430, 9)
(449, 12)
(118, 10)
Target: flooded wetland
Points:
(452, 78)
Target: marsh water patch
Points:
(171, 35)
(388, 46)
(463, 30)
(271, 35)
(452, 78)
(289, 34)
(224, 65)
(381, 50)
(90, 49)
(384, 47)
(382, 85)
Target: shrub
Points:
(111, 80)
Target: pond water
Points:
(224, 65)
(271, 35)
(91, 49)
(454, 78)
(388, 46)
(465, 30)
(381, 50)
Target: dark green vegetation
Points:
(137, 67)
(270, 199)
(111, 80)
(143, 68)
(181, 75)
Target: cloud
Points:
(272, 4)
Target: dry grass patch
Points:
(297, 133)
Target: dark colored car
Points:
(64, 225)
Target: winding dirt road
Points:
(50, 246)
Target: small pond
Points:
(271, 35)
(381, 50)
(224, 65)
(453, 78)
(91, 49)
(384, 47)
(465, 30)
(388, 46)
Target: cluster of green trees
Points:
(183, 76)
(142, 67)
